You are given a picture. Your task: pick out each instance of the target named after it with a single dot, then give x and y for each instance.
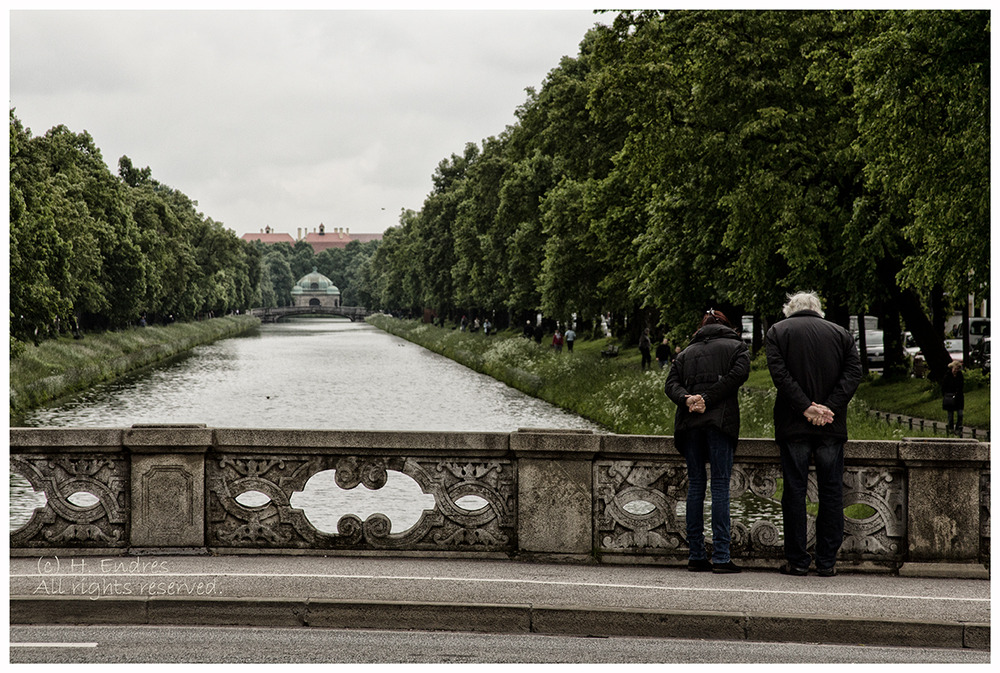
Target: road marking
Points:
(596, 585)
(53, 644)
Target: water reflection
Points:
(311, 373)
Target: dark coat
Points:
(714, 366)
(953, 383)
(811, 360)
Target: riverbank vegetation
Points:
(613, 392)
(66, 365)
(688, 160)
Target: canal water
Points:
(315, 373)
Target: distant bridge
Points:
(355, 313)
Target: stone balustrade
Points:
(541, 495)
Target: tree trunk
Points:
(966, 348)
(862, 344)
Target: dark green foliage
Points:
(92, 251)
(694, 159)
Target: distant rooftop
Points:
(320, 238)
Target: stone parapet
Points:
(535, 493)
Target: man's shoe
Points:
(789, 569)
(727, 568)
(826, 572)
(701, 565)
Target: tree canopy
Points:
(685, 160)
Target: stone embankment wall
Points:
(540, 495)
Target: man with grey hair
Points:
(816, 369)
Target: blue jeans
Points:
(699, 446)
(828, 454)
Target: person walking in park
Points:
(953, 396)
(663, 353)
(557, 340)
(570, 337)
(703, 383)
(645, 344)
(816, 369)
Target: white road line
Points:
(597, 585)
(53, 644)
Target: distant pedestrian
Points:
(953, 396)
(645, 345)
(527, 329)
(663, 353)
(816, 369)
(487, 326)
(704, 383)
(570, 337)
(557, 340)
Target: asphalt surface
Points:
(256, 645)
(500, 596)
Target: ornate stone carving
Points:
(276, 524)
(619, 483)
(880, 536)
(755, 525)
(63, 524)
(756, 533)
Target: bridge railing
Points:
(912, 505)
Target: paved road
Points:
(168, 644)
(500, 596)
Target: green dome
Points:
(315, 283)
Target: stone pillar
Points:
(555, 508)
(943, 505)
(168, 484)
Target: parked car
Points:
(747, 324)
(874, 347)
(954, 348)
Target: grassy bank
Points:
(921, 398)
(63, 366)
(613, 392)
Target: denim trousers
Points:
(828, 455)
(700, 446)
(951, 417)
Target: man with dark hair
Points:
(816, 369)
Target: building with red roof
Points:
(320, 239)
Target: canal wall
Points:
(536, 495)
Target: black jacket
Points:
(954, 383)
(811, 360)
(714, 366)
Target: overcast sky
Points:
(284, 118)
